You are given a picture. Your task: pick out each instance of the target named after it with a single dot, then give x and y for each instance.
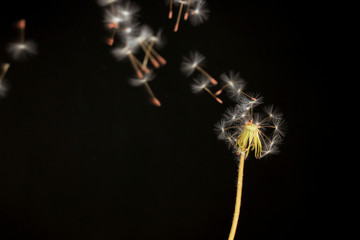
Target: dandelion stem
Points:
(238, 197)
(212, 80)
(178, 18)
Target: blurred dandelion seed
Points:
(192, 62)
(149, 45)
(232, 82)
(200, 13)
(3, 87)
(246, 131)
(144, 36)
(202, 84)
(104, 3)
(182, 3)
(122, 52)
(144, 81)
(23, 49)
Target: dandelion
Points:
(200, 13)
(202, 83)
(144, 81)
(193, 62)
(247, 132)
(3, 87)
(22, 49)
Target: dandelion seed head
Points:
(253, 131)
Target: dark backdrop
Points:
(83, 155)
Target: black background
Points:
(83, 155)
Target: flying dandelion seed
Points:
(145, 81)
(129, 10)
(246, 132)
(200, 13)
(232, 83)
(23, 49)
(181, 3)
(3, 87)
(193, 62)
(170, 8)
(128, 50)
(202, 83)
(153, 40)
(121, 19)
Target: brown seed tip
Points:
(219, 100)
(112, 25)
(21, 24)
(155, 63)
(176, 28)
(218, 92)
(156, 102)
(186, 15)
(145, 69)
(139, 74)
(170, 14)
(161, 60)
(109, 41)
(213, 81)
